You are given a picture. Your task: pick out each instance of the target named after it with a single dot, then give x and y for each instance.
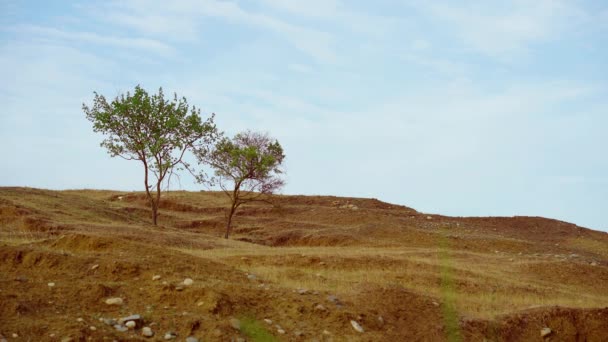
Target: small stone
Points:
(429, 218)
(170, 335)
(93, 328)
(435, 303)
(201, 303)
(320, 308)
(325, 332)
(121, 328)
(147, 332)
(298, 333)
(94, 267)
(79, 319)
(156, 277)
(593, 263)
(268, 321)
(188, 281)
(51, 284)
(235, 323)
(302, 291)
(356, 326)
(240, 339)
(133, 318)
(179, 288)
(191, 339)
(130, 324)
(67, 339)
(544, 332)
(281, 331)
(251, 276)
(114, 301)
(51, 335)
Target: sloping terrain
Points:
(299, 270)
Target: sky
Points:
(462, 108)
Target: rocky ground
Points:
(87, 266)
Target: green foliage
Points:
(247, 167)
(151, 129)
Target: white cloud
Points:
(510, 29)
(95, 38)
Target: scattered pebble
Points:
(200, 303)
(188, 281)
(281, 331)
(147, 332)
(114, 301)
(79, 319)
(357, 326)
(93, 328)
(51, 284)
(251, 276)
(121, 328)
(593, 263)
(170, 335)
(235, 323)
(191, 339)
(268, 321)
(109, 321)
(133, 318)
(325, 332)
(130, 324)
(320, 307)
(302, 291)
(156, 277)
(544, 332)
(94, 267)
(67, 339)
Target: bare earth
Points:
(310, 264)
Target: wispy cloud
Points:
(96, 39)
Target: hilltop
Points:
(309, 264)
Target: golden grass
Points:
(482, 285)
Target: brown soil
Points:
(401, 274)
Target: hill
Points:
(300, 270)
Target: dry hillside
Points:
(300, 270)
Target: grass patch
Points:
(253, 329)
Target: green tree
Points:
(154, 130)
(247, 168)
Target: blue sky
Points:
(453, 107)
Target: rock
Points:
(130, 324)
(179, 288)
(191, 339)
(302, 291)
(66, 339)
(133, 318)
(51, 284)
(281, 331)
(170, 335)
(200, 303)
(120, 328)
(188, 281)
(429, 218)
(298, 333)
(114, 301)
(240, 339)
(147, 332)
(94, 267)
(357, 326)
(79, 319)
(544, 332)
(93, 328)
(15, 335)
(235, 323)
(325, 332)
(593, 263)
(320, 308)
(268, 321)
(251, 276)
(156, 277)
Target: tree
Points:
(154, 130)
(247, 168)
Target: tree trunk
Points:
(229, 223)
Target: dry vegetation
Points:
(401, 274)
